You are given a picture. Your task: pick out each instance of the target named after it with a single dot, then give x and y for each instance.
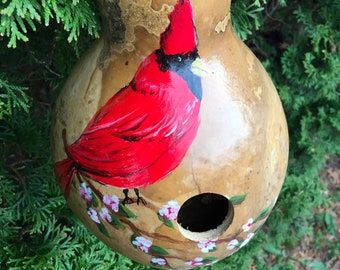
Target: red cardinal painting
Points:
(143, 132)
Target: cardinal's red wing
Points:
(120, 143)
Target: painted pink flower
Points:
(85, 193)
(207, 246)
(104, 214)
(195, 262)
(246, 241)
(246, 227)
(112, 202)
(159, 261)
(142, 244)
(93, 215)
(170, 211)
(232, 244)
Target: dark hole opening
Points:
(204, 212)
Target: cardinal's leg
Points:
(127, 199)
(139, 198)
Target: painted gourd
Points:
(169, 139)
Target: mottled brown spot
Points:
(114, 28)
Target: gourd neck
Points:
(120, 17)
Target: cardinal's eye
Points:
(179, 58)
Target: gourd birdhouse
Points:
(169, 139)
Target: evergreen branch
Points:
(75, 15)
(246, 16)
(13, 18)
(11, 97)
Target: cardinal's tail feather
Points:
(65, 171)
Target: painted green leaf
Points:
(209, 259)
(159, 250)
(94, 200)
(214, 249)
(262, 214)
(166, 222)
(132, 238)
(124, 211)
(236, 200)
(115, 221)
(102, 228)
(74, 183)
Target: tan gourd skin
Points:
(241, 148)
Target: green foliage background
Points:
(297, 41)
